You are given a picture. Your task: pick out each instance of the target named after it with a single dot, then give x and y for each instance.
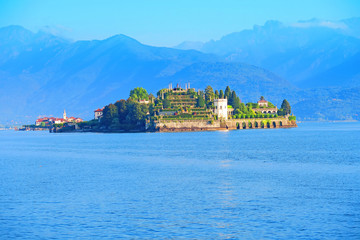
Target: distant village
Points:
(44, 123)
(47, 121)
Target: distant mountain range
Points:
(305, 53)
(315, 67)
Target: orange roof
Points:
(262, 101)
(98, 110)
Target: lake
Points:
(299, 183)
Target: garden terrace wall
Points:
(203, 125)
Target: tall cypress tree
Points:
(236, 103)
(232, 98)
(227, 92)
(216, 94)
(221, 94)
(286, 108)
(209, 94)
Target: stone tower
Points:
(64, 115)
(221, 108)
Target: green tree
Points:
(270, 105)
(209, 95)
(286, 108)
(262, 98)
(292, 118)
(216, 94)
(139, 93)
(200, 102)
(232, 98)
(227, 92)
(110, 111)
(221, 94)
(243, 108)
(137, 112)
(236, 103)
(122, 109)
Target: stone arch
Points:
(250, 124)
(256, 124)
(274, 124)
(264, 111)
(269, 111)
(262, 124)
(268, 125)
(244, 125)
(280, 123)
(237, 125)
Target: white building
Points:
(221, 108)
(98, 113)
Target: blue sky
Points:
(164, 22)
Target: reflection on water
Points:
(259, 184)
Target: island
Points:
(177, 109)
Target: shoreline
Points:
(172, 129)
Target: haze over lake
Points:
(255, 184)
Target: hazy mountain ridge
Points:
(298, 52)
(41, 74)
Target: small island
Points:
(183, 109)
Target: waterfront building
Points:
(221, 108)
(98, 113)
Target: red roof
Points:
(98, 110)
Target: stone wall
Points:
(266, 110)
(202, 125)
(187, 125)
(280, 122)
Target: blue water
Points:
(301, 183)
